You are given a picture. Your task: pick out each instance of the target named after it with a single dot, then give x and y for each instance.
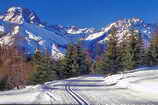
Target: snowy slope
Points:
(30, 36)
(123, 26)
(21, 23)
(135, 87)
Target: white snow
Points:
(7, 40)
(1, 28)
(135, 87)
(94, 35)
(56, 53)
(16, 30)
(32, 36)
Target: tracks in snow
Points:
(80, 100)
(76, 96)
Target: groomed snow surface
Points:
(137, 87)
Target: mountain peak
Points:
(130, 21)
(14, 9)
(20, 15)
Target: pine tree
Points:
(152, 51)
(44, 69)
(69, 66)
(99, 66)
(111, 59)
(76, 62)
(133, 51)
(123, 50)
(89, 62)
(83, 60)
(140, 50)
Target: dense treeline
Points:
(18, 70)
(122, 55)
(128, 53)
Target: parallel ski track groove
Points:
(79, 99)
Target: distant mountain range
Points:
(24, 28)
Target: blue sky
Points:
(87, 13)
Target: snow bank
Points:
(142, 80)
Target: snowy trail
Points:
(140, 87)
(77, 97)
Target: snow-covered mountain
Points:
(20, 15)
(24, 28)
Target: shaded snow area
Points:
(138, 87)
